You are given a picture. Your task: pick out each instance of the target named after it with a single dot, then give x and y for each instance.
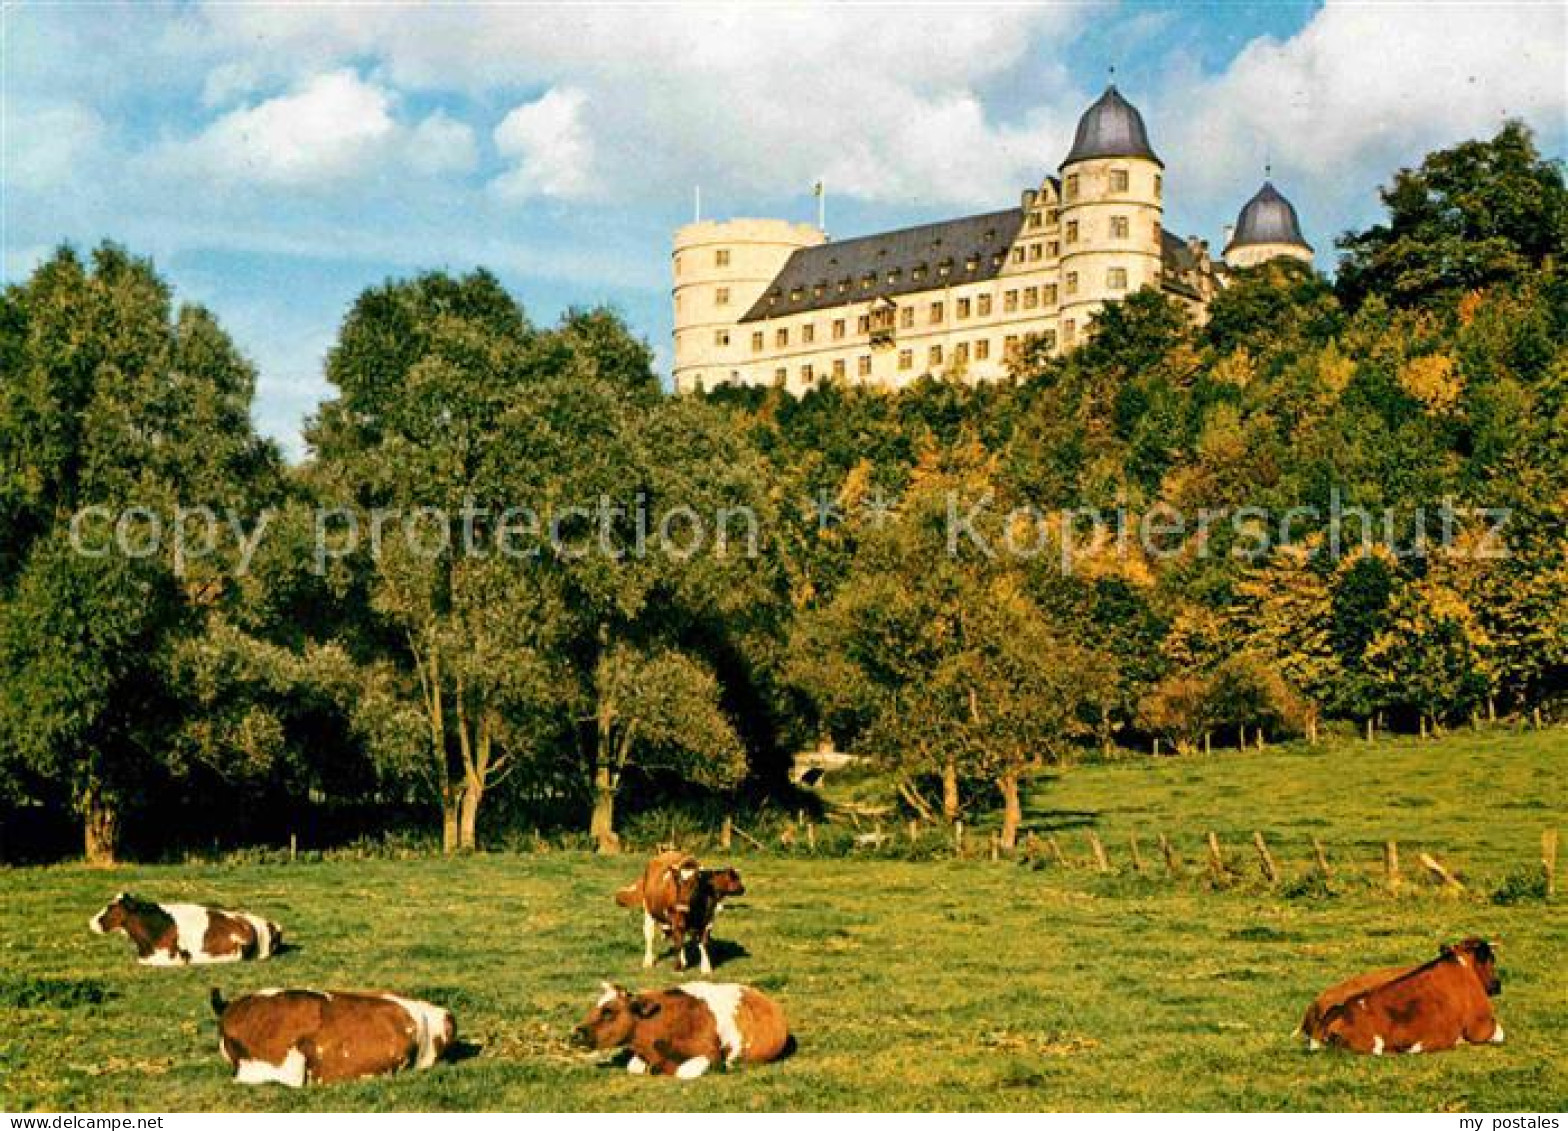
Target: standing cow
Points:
(1439, 1005)
(175, 934)
(680, 897)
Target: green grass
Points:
(944, 984)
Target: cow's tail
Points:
(216, 998)
(630, 896)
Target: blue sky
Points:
(276, 160)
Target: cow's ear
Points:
(645, 1007)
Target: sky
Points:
(276, 159)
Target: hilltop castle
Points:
(769, 302)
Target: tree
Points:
(116, 411)
(1480, 213)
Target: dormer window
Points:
(894, 276)
(972, 263)
(1035, 219)
(945, 268)
(867, 281)
(843, 286)
(796, 295)
(918, 273)
(818, 290)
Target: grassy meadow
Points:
(940, 984)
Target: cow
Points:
(680, 897)
(1311, 1025)
(686, 1030)
(295, 1037)
(1438, 1005)
(178, 934)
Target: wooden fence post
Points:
(914, 832)
(1172, 861)
(294, 848)
(1317, 850)
(1549, 860)
(996, 847)
(1442, 873)
(958, 837)
(811, 835)
(1270, 872)
(1137, 857)
(1056, 850)
(1216, 858)
(726, 833)
(1100, 861)
(1391, 866)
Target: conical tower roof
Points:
(1112, 127)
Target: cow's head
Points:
(613, 1018)
(1479, 956)
(724, 882)
(115, 913)
(442, 1041)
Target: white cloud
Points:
(441, 144)
(47, 145)
(329, 128)
(549, 144)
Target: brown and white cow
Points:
(296, 1037)
(680, 897)
(174, 934)
(1439, 1005)
(1312, 1023)
(686, 1030)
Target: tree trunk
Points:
(601, 825)
(950, 791)
(468, 817)
(451, 805)
(100, 827)
(1012, 810)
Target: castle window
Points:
(838, 329)
(1050, 340)
(906, 318)
(863, 366)
(1116, 278)
(1034, 219)
(935, 355)
(1052, 216)
(721, 338)
(1069, 331)
(1048, 294)
(1118, 180)
(963, 308)
(1035, 251)
(808, 333)
(1031, 297)
(1120, 227)
(945, 268)
(982, 348)
(1053, 248)
(818, 290)
(721, 258)
(867, 281)
(984, 306)
(1018, 254)
(1159, 185)
(1072, 282)
(1010, 302)
(894, 276)
(797, 294)
(838, 368)
(1071, 187)
(906, 359)
(756, 341)
(1072, 231)
(918, 273)
(807, 374)
(781, 338)
(863, 324)
(843, 286)
(936, 313)
(1010, 346)
(961, 352)
(972, 263)
(780, 375)
(721, 297)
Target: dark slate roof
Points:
(1112, 127)
(1267, 218)
(1176, 259)
(811, 277)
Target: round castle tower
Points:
(1267, 228)
(1112, 215)
(721, 268)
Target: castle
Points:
(769, 302)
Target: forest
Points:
(517, 589)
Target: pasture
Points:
(941, 984)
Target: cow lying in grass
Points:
(174, 934)
(1439, 1005)
(295, 1037)
(680, 897)
(686, 1030)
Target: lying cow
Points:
(174, 934)
(681, 898)
(296, 1037)
(1312, 1023)
(1439, 1005)
(687, 1030)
